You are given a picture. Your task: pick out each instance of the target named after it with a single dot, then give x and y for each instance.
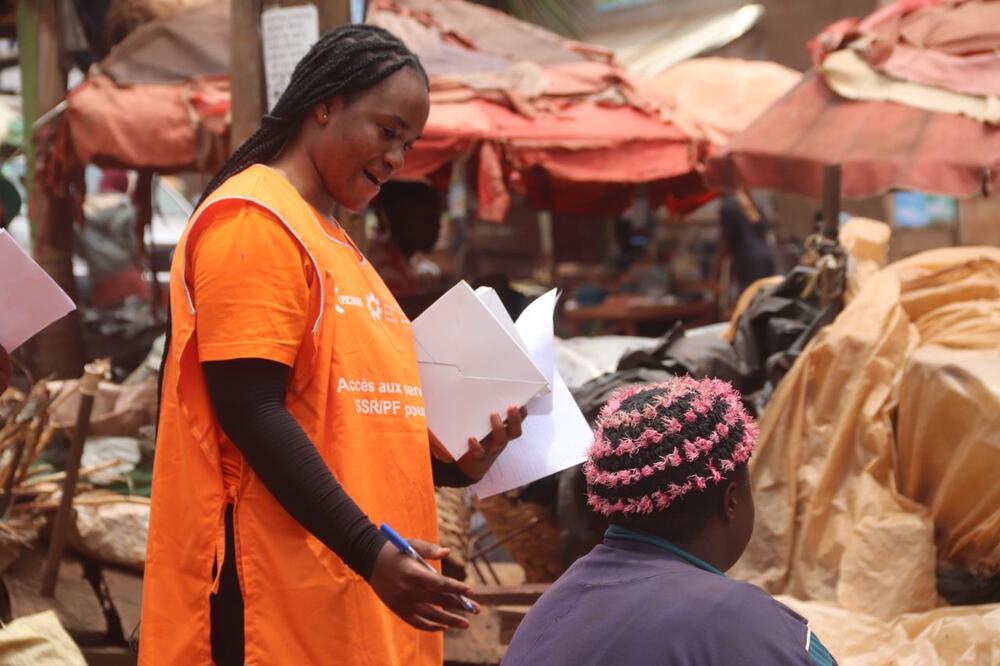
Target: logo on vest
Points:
(341, 300)
(336, 301)
(374, 306)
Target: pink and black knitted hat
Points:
(656, 443)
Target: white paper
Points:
(555, 434)
(491, 299)
(287, 34)
(470, 366)
(30, 300)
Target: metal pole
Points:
(831, 201)
(92, 375)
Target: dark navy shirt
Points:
(638, 599)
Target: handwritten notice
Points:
(287, 33)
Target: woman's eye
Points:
(388, 133)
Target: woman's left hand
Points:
(482, 454)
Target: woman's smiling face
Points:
(364, 138)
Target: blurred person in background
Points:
(409, 216)
(744, 231)
(108, 242)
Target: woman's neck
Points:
(300, 172)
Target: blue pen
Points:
(403, 546)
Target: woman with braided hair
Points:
(291, 415)
(668, 469)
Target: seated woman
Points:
(668, 468)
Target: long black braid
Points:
(344, 62)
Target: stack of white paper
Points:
(474, 360)
(472, 363)
(30, 300)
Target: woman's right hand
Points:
(414, 593)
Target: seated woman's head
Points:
(671, 459)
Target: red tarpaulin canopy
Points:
(714, 99)
(581, 159)
(880, 146)
(924, 55)
(554, 120)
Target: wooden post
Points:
(89, 385)
(831, 201)
(333, 13)
(246, 74)
(247, 89)
(58, 349)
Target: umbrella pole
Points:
(831, 201)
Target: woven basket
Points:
(453, 529)
(537, 550)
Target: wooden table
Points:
(621, 315)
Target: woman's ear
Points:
(324, 111)
(730, 501)
(321, 112)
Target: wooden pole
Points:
(61, 526)
(333, 13)
(246, 75)
(831, 201)
(58, 349)
(247, 89)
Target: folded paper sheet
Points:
(30, 300)
(471, 365)
(555, 432)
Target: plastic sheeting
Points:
(113, 530)
(582, 359)
(851, 76)
(852, 483)
(964, 636)
(191, 43)
(162, 127)
(952, 470)
(948, 45)
(38, 639)
(716, 98)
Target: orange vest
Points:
(355, 390)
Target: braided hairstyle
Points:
(661, 445)
(345, 61)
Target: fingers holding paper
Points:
(483, 453)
